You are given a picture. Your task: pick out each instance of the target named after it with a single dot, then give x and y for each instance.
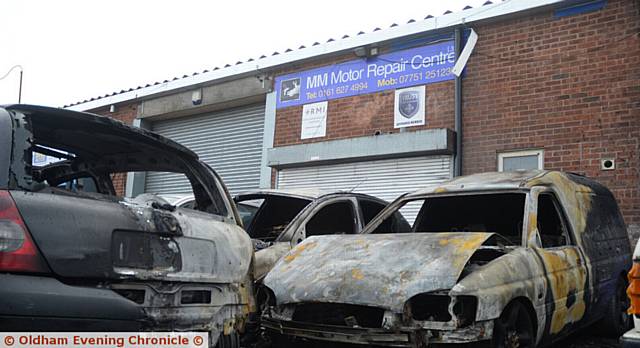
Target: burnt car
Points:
(180, 201)
(510, 259)
(279, 219)
(246, 210)
(75, 256)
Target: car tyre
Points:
(514, 328)
(229, 341)
(616, 320)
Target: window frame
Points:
(521, 153)
(359, 201)
(397, 204)
(354, 210)
(536, 191)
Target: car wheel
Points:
(229, 341)
(514, 328)
(617, 321)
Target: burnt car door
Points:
(337, 215)
(567, 295)
(332, 215)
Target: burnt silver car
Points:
(76, 256)
(279, 219)
(512, 259)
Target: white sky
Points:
(75, 50)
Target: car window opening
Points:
(396, 223)
(370, 209)
(500, 213)
(54, 167)
(248, 209)
(274, 215)
(551, 227)
(335, 218)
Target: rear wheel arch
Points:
(616, 320)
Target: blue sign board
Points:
(416, 66)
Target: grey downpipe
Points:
(457, 165)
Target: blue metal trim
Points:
(422, 40)
(581, 8)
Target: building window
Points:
(520, 160)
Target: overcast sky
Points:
(75, 50)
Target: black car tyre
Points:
(616, 320)
(514, 328)
(229, 341)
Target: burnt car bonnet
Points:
(383, 270)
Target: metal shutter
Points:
(230, 141)
(386, 179)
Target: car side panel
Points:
(105, 239)
(606, 245)
(30, 299)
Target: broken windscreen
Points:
(502, 213)
(273, 215)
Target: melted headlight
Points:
(460, 310)
(464, 309)
(429, 307)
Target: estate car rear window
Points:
(53, 171)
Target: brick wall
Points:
(567, 85)
(570, 86)
(364, 115)
(126, 114)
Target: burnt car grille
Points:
(339, 314)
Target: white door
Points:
(385, 179)
(230, 141)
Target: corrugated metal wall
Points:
(386, 179)
(230, 141)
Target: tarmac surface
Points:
(583, 339)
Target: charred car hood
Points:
(382, 270)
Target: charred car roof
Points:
(89, 136)
(310, 194)
(511, 181)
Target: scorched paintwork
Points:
(561, 287)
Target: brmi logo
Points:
(409, 103)
(409, 107)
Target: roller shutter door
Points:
(385, 179)
(230, 141)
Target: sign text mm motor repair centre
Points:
(416, 66)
